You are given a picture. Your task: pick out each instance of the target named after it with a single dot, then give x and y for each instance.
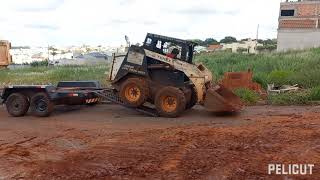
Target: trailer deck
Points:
(65, 93)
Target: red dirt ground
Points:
(109, 142)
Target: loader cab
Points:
(165, 45)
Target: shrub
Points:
(39, 63)
(248, 96)
(315, 94)
(261, 79)
(280, 77)
(290, 98)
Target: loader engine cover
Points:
(133, 63)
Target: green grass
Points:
(295, 67)
(315, 94)
(52, 75)
(291, 98)
(247, 96)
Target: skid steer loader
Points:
(162, 72)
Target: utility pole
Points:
(48, 55)
(258, 31)
(257, 37)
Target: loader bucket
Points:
(220, 99)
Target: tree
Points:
(51, 48)
(207, 42)
(228, 39)
(198, 41)
(269, 42)
(210, 41)
(53, 53)
(246, 39)
(267, 47)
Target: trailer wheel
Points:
(17, 105)
(170, 102)
(41, 105)
(134, 92)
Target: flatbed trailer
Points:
(40, 100)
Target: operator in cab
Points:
(174, 53)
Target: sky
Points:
(106, 22)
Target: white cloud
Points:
(67, 22)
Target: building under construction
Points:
(299, 25)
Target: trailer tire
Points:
(41, 105)
(170, 102)
(17, 105)
(134, 92)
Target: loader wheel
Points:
(17, 105)
(134, 92)
(170, 102)
(193, 100)
(41, 105)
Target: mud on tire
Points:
(170, 102)
(134, 92)
(41, 105)
(17, 105)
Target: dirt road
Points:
(110, 142)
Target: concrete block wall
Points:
(298, 39)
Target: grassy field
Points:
(52, 75)
(296, 67)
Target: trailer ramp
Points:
(112, 96)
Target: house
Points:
(248, 46)
(299, 25)
(215, 47)
(93, 58)
(200, 49)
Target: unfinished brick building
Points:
(299, 26)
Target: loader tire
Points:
(41, 105)
(193, 100)
(170, 102)
(134, 92)
(17, 105)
